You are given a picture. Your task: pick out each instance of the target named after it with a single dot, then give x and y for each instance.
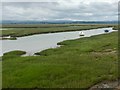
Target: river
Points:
(39, 42)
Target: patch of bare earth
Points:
(104, 52)
(106, 85)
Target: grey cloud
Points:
(60, 10)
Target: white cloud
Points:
(61, 10)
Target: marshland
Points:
(77, 63)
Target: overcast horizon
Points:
(82, 10)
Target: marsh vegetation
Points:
(79, 63)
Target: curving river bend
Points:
(37, 43)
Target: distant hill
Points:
(58, 22)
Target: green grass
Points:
(78, 63)
(14, 53)
(0, 74)
(26, 29)
(12, 38)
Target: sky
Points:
(75, 10)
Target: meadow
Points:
(79, 63)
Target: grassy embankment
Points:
(12, 38)
(0, 73)
(77, 63)
(31, 29)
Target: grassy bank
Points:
(17, 30)
(12, 38)
(15, 53)
(0, 73)
(77, 63)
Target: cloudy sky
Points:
(87, 10)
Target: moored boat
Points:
(81, 33)
(106, 31)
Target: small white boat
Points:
(81, 33)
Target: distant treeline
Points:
(58, 22)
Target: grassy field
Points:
(30, 29)
(0, 74)
(78, 63)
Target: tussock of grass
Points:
(74, 65)
(17, 52)
(13, 54)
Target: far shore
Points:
(21, 32)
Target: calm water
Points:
(36, 43)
